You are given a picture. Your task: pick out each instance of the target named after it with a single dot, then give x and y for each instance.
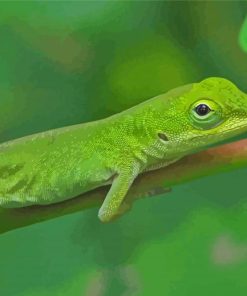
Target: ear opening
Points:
(163, 137)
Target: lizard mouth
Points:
(241, 128)
(238, 129)
(231, 131)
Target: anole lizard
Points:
(63, 163)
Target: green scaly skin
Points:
(60, 164)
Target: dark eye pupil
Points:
(202, 109)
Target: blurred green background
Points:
(63, 63)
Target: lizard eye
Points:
(205, 114)
(202, 109)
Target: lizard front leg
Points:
(120, 186)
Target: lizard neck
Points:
(141, 134)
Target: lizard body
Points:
(60, 164)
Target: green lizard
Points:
(60, 164)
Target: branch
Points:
(215, 160)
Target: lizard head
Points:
(204, 113)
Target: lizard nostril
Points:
(163, 137)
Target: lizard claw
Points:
(157, 191)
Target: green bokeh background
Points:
(63, 63)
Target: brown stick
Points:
(215, 160)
